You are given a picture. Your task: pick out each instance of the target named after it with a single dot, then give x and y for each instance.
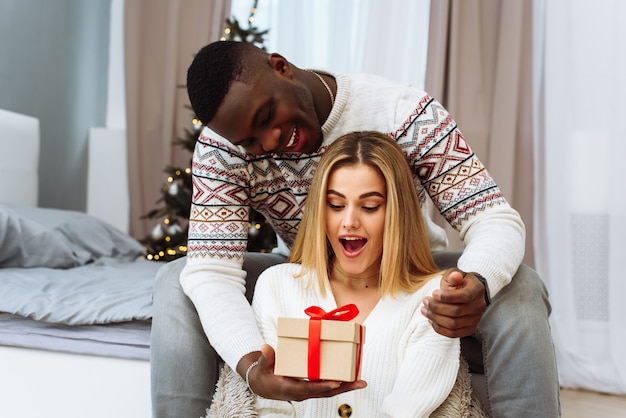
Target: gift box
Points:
(324, 347)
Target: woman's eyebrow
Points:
(363, 196)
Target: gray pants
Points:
(511, 355)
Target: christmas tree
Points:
(168, 239)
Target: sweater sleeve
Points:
(213, 277)
(426, 374)
(267, 308)
(465, 194)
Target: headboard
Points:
(19, 158)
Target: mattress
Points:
(130, 340)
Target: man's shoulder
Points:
(208, 138)
(376, 82)
(391, 99)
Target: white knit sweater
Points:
(227, 180)
(409, 368)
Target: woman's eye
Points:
(334, 206)
(371, 208)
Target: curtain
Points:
(479, 68)
(161, 37)
(384, 37)
(580, 204)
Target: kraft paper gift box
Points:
(331, 351)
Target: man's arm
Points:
(213, 277)
(466, 195)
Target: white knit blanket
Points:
(232, 398)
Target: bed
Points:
(75, 301)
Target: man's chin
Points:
(312, 146)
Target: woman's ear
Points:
(279, 64)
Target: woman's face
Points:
(356, 199)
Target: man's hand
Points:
(264, 383)
(455, 309)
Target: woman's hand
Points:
(264, 383)
(455, 309)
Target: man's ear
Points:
(279, 64)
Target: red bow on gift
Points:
(344, 313)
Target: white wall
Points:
(53, 66)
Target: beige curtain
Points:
(479, 68)
(161, 37)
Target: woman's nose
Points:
(350, 220)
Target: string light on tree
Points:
(168, 239)
(235, 32)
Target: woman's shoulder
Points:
(282, 268)
(276, 274)
(430, 284)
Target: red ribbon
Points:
(344, 313)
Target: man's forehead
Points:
(235, 113)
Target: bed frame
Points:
(38, 383)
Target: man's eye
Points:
(246, 143)
(268, 116)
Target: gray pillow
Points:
(56, 238)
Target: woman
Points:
(362, 241)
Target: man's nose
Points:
(270, 139)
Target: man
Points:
(268, 122)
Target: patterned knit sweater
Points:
(408, 367)
(226, 180)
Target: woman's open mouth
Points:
(352, 245)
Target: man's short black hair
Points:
(211, 73)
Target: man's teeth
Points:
(292, 140)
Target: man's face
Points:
(273, 113)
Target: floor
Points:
(582, 404)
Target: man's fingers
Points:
(449, 319)
(268, 355)
(456, 320)
(453, 333)
(452, 279)
(454, 309)
(316, 389)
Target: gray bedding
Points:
(66, 267)
(101, 292)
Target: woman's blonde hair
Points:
(407, 259)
